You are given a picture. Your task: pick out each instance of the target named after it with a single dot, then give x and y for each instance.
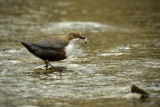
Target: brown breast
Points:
(56, 56)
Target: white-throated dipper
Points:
(54, 49)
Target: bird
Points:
(54, 49)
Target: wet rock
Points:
(50, 70)
(143, 93)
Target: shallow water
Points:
(123, 49)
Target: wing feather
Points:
(52, 44)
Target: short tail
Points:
(31, 48)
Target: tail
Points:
(31, 48)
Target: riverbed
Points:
(123, 49)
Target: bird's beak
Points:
(82, 37)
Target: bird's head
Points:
(74, 36)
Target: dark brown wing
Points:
(51, 44)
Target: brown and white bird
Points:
(54, 49)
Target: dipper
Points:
(54, 49)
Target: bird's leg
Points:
(46, 62)
(52, 67)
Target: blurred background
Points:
(123, 49)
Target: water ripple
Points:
(82, 26)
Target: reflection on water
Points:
(123, 49)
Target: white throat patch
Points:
(71, 46)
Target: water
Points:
(123, 49)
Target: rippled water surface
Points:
(123, 49)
